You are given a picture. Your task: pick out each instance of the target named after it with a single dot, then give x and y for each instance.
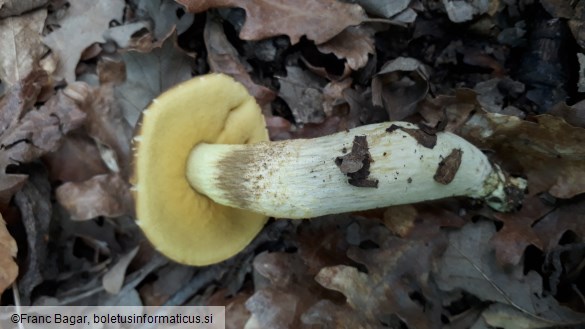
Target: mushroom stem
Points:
(395, 163)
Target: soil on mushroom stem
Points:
(356, 164)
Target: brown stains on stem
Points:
(448, 167)
(233, 168)
(425, 136)
(356, 164)
(239, 176)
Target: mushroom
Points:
(206, 178)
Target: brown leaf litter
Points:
(303, 18)
(8, 249)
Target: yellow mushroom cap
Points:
(181, 223)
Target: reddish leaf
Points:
(319, 20)
(549, 151)
(517, 233)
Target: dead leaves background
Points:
(73, 87)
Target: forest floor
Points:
(506, 75)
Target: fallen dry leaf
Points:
(323, 243)
(469, 264)
(28, 133)
(361, 108)
(21, 47)
(567, 217)
(17, 7)
(113, 280)
(164, 17)
(463, 10)
(550, 151)
(492, 95)
(385, 9)
(517, 233)
(504, 316)
(284, 282)
(169, 279)
(151, 24)
(318, 20)
(558, 8)
(79, 31)
(421, 221)
(236, 314)
(36, 209)
(8, 249)
(327, 314)
(76, 160)
(105, 123)
(354, 45)
(399, 85)
(103, 195)
(397, 271)
(224, 58)
(574, 114)
(130, 37)
(148, 75)
(287, 288)
(333, 95)
(302, 91)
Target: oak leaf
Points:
(27, 133)
(80, 30)
(354, 45)
(518, 233)
(318, 20)
(397, 272)
(159, 17)
(549, 150)
(469, 264)
(163, 15)
(567, 217)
